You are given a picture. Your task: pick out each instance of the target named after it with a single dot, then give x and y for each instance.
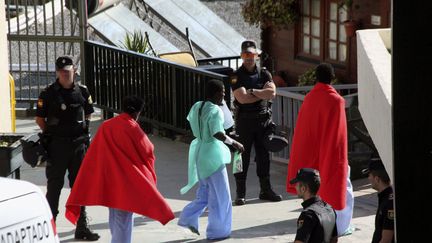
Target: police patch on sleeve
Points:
(390, 214)
(40, 103)
(234, 80)
(300, 223)
(89, 100)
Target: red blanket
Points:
(118, 172)
(320, 142)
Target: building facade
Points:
(319, 35)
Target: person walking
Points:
(208, 155)
(118, 172)
(321, 142)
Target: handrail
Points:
(156, 59)
(231, 61)
(308, 88)
(169, 89)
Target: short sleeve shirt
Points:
(384, 219)
(64, 108)
(47, 99)
(251, 80)
(309, 228)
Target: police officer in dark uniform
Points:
(253, 89)
(384, 219)
(63, 113)
(317, 221)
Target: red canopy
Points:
(118, 172)
(320, 142)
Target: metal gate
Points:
(38, 32)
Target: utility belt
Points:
(75, 140)
(261, 115)
(68, 131)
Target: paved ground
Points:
(257, 221)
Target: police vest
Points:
(326, 216)
(63, 114)
(263, 76)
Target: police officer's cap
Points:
(374, 165)
(64, 63)
(250, 46)
(307, 175)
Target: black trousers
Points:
(251, 132)
(65, 154)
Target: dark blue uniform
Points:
(309, 226)
(250, 121)
(384, 219)
(250, 125)
(65, 136)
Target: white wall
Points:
(374, 90)
(5, 112)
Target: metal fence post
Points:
(174, 95)
(82, 12)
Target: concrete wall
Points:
(5, 111)
(374, 90)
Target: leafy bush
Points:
(276, 13)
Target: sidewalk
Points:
(257, 221)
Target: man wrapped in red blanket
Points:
(118, 172)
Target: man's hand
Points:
(244, 96)
(268, 85)
(238, 146)
(268, 91)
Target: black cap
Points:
(64, 63)
(306, 175)
(249, 46)
(374, 165)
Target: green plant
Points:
(346, 4)
(308, 78)
(266, 13)
(137, 42)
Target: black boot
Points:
(82, 232)
(241, 192)
(267, 192)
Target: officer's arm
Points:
(42, 110)
(40, 121)
(388, 222)
(243, 97)
(267, 93)
(387, 236)
(305, 224)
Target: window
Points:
(321, 31)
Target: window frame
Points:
(324, 38)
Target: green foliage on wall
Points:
(275, 13)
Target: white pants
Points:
(344, 216)
(213, 193)
(121, 224)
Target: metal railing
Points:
(287, 105)
(233, 62)
(38, 32)
(169, 89)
